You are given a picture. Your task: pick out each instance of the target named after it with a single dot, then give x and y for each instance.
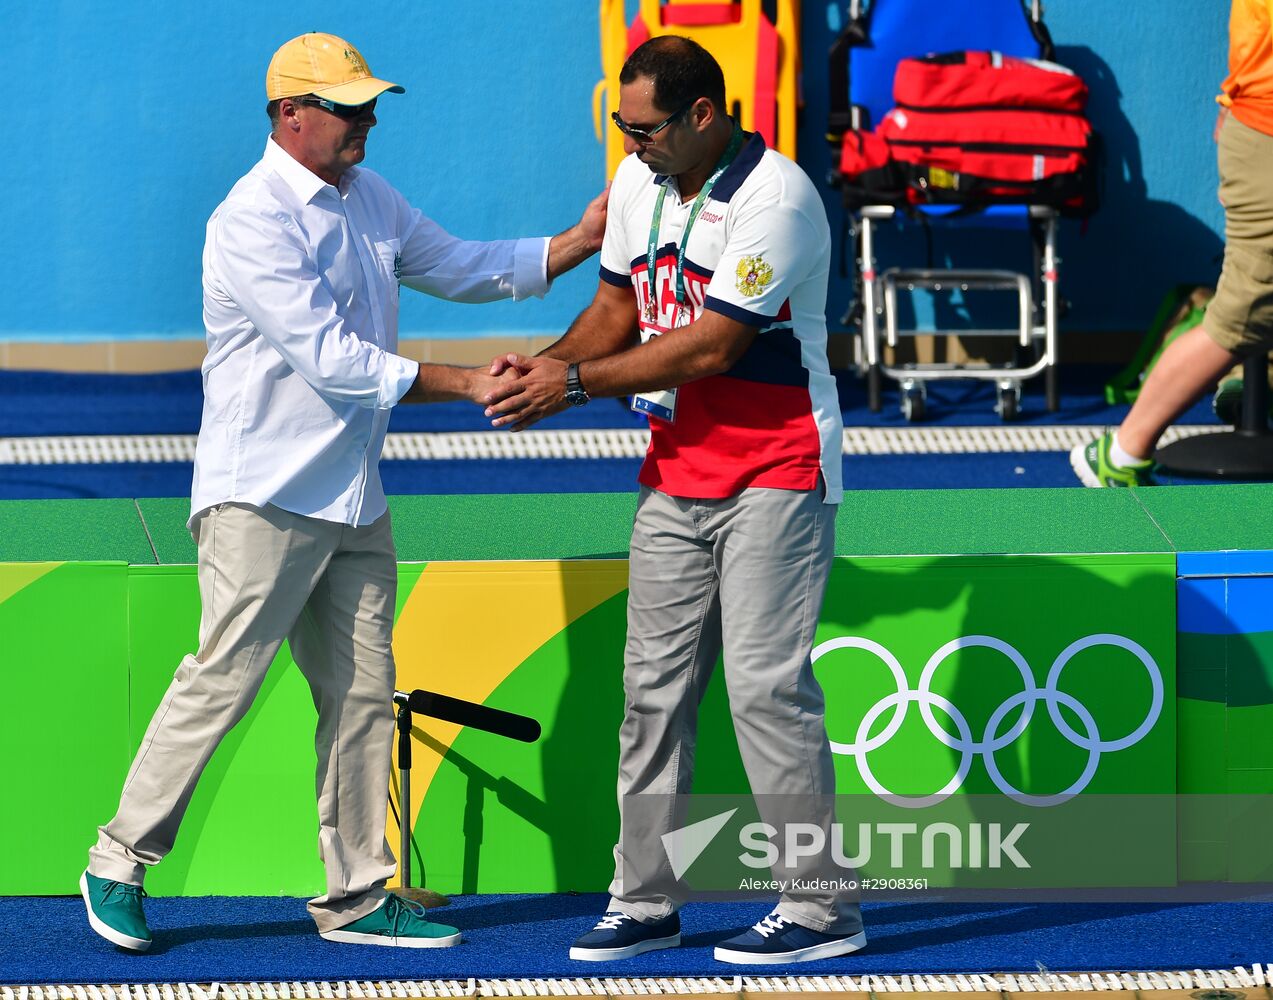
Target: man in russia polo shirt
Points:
(710, 312)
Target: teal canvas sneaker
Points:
(114, 911)
(398, 924)
(1092, 464)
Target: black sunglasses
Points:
(644, 135)
(346, 111)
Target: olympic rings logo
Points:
(991, 740)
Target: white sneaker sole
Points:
(831, 949)
(106, 931)
(614, 954)
(1078, 462)
(354, 937)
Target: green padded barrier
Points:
(263, 769)
(503, 818)
(521, 526)
(870, 522)
(165, 523)
(1211, 518)
(446, 528)
(65, 530)
(973, 522)
(546, 526)
(64, 683)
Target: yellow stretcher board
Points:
(760, 59)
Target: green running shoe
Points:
(400, 923)
(1092, 464)
(1226, 404)
(114, 911)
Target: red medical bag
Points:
(977, 128)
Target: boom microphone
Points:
(468, 713)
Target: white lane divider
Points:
(1218, 984)
(573, 444)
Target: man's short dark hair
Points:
(682, 71)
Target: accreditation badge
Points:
(660, 403)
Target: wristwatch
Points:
(576, 395)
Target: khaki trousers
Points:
(1240, 317)
(266, 575)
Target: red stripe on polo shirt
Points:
(731, 434)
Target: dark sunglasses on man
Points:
(646, 135)
(347, 111)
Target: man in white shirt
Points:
(301, 271)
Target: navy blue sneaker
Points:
(777, 941)
(618, 935)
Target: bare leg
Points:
(1191, 365)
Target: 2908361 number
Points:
(872, 884)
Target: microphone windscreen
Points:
(468, 713)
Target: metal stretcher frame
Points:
(878, 300)
(879, 324)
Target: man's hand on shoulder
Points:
(571, 248)
(539, 391)
(592, 224)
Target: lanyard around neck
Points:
(735, 144)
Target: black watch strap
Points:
(576, 395)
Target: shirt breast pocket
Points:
(389, 259)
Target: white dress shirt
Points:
(300, 302)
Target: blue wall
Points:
(130, 121)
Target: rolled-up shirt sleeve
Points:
(435, 262)
(261, 260)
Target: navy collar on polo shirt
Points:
(738, 171)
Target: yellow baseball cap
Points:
(322, 64)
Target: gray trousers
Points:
(266, 575)
(747, 575)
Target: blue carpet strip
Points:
(225, 939)
(893, 454)
(57, 403)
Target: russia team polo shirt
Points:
(759, 253)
